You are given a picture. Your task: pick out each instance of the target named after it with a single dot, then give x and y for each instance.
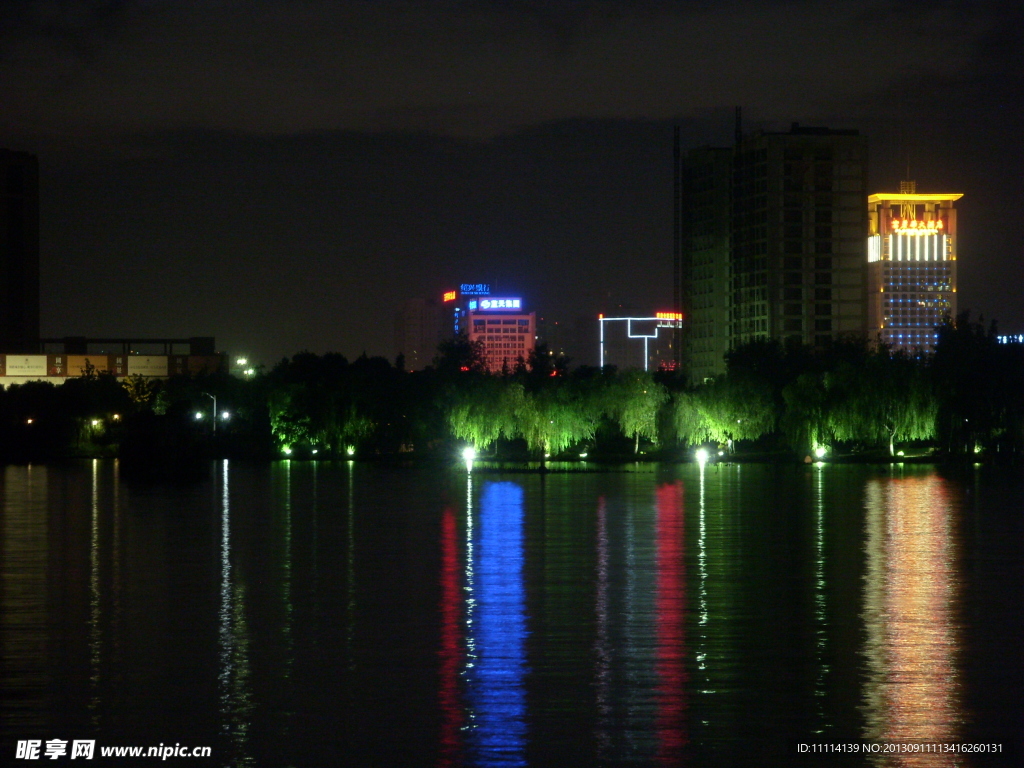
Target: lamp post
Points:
(214, 398)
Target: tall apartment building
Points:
(19, 252)
(702, 260)
(911, 257)
(785, 258)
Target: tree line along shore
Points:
(966, 399)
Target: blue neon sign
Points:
(501, 305)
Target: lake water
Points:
(316, 614)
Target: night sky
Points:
(283, 175)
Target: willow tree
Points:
(806, 420)
(723, 411)
(633, 400)
(555, 416)
(484, 409)
(889, 398)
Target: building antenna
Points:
(908, 208)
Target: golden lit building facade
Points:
(912, 266)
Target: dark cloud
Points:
(476, 69)
(281, 174)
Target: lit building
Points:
(770, 242)
(911, 266)
(639, 342)
(456, 304)
(19, 252)
(73, 356)
(507, 332)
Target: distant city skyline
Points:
(283, 177)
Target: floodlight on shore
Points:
(702, 456)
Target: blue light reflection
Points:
(497, 664)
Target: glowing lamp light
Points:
(316, 451)
(350, 450)
(225, 415)
(287, 450)
(702, 456)
(583, 455)
(199, 415)
(469, 453)
(241, 361)
(116, 417)
(95, 422)
(820, 451)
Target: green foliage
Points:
(556, 416)
(727, 409)
(319, 401)
(141, 390)
(885, 398)
(634, 401)
(485, 409)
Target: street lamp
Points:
(214, 398)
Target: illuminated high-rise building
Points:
(911, 259)
(19, 252)
(770, 242)
(506, 331)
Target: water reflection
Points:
(452, 645)
(820, 602)
(670, 628)
(95, 632)
(496, 653)
(235, 671)
(911, 611)
(24, 549)
(640, 649)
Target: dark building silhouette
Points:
(19, 252)
(770, 242)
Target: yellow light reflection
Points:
(912, 617)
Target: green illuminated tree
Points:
(633, 400)
(484, 409)
(556, 415)
(885, 398)
(728, 409)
